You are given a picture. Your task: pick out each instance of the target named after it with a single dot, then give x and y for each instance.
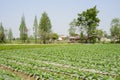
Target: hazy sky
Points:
(61, 12)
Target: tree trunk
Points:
(35, 40)
(44, 41)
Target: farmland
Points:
(6, 75)
(64, 61)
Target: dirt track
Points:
(18, 73)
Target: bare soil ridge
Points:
(19, 73)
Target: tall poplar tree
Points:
(2, 34)
(35, 28)
(44, 27)
(10, 35)
(73, 28)
(23, 30)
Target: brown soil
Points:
(65, 66)
(76, 68)
(72, 67)
(18, 73)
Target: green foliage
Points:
(44, 27)
(72, 29)
(82, 37)
(35, 28)
(54, 36)
(2, 34)
(115, 29)
(100, 34)
(11, 47)
(23, 30)
(10, 35)
(89, 21)
(6, 75)
(68, 62)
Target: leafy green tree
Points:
(115, 29)
(23, 30)
(10, 35)
(89, 21)
(44, 27)
(2, 35)
(54, 36)
(82, 37)
(73, 28)
(100, 33)
(35, 28)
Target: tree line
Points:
(85, 26)
(3, 33)
(43, 30)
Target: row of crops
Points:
(6, 75)
(64, 62)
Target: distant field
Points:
(63, 62)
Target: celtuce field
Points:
(6, 75)
(62, 61)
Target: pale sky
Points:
(60, 12)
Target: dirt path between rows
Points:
(66, 66)
(18, 73)
(75, 68)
